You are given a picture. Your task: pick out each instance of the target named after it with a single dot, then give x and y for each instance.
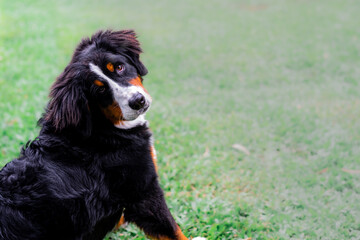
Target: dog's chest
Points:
(129, 165)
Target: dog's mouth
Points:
(118, 114)
(134, 121)
(145, 109)
(127, 114)
(130, 116)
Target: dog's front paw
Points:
(199, 238)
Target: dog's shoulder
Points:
(20, 170)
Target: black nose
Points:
(137, 101)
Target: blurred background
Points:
(255, 112)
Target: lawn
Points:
(255, 112)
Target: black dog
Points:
(93, 161)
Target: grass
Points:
(280, 78)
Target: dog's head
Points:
(104, 76)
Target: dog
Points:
(93, 165)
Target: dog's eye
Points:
(101, 89)
(120, 68)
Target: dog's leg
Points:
(154, 160)
(152, 215)
(102, 227)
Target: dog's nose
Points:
(137, 101)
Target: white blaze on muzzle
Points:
(122, 95)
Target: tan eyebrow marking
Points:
(110, 67)
(98, 83)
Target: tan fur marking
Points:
(113, 113)
(153, 157)
(121, 222)
(137, 82)
(98, 83)
(180, 235)
(110, 67)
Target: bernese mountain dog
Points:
(93, 165)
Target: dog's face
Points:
(106, 73)
(117, 88)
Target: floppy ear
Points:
(68, 106)
(135, 59)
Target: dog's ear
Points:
(127, 40)
(68, 105)
(135, 59)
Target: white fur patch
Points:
(131, 124)
(122, 95)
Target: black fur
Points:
(77, 178)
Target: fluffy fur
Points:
(92, 161)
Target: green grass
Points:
(278, 77)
